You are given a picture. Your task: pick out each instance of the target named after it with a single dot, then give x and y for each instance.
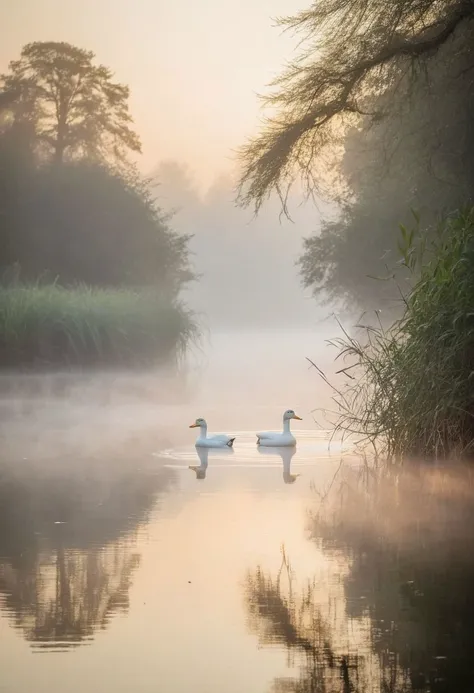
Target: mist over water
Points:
(240, 379)
(123, 550)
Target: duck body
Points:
(270, 439)
(273, 439)
(216, 441)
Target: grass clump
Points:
(411, 388)
(87, 327)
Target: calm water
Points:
(122, 569)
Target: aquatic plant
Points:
(49, 325)
(410, 389)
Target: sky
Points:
(194, 68)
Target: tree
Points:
(67, 211)
(355, 52)
(83, 222)
(76, 108)
(419, 157)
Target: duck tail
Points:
(231, 442)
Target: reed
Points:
(49, 325)
(409, 390)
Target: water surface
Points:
(123, 569)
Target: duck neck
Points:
(203, 431)
(286, 425)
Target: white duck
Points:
(271, 439)
(205, 441)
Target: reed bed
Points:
(409, 390)
(53, 326)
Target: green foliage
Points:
(412, 387)
(73, 106)
(54, 326)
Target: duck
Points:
(285, 438)
(205, 441)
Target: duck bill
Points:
(298, 418)
(194, 425)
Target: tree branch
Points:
(296, 137)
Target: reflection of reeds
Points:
(279, 616)
(408, 540)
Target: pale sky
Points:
(194, 68)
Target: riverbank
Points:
(408, 390)
(51, 327)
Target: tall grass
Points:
(410, 389)
(84, 327)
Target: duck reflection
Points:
(204, 454)
(68, 547)
(286, 455)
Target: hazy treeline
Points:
(75, 212)
(72, 206)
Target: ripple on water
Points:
(312, 446)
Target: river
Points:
(122, 569)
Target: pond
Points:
(123, 569)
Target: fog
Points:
(246, 263)
(258, 324)
(236, 379)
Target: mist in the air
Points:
(248, 276)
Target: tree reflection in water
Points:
(279, 616)
(406, 541)
(67, 546)
(409, 540)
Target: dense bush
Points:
(85, 222)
